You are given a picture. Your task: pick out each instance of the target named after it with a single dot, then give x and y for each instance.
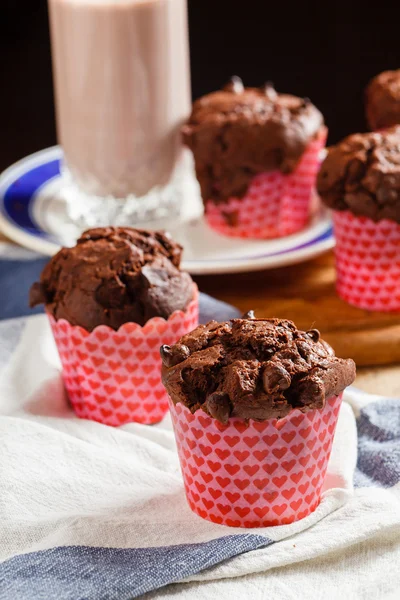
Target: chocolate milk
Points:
(122, 88)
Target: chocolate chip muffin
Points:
(382, 99)
(362, 174)
(239, 132)
(251, 368)
(360, 181)
(115, 276)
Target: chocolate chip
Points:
(249, 315)
(269, 90)
(311, 392)
(154, 277)
(275, 378)
(172, 356)
(166, 355)
(235, 85)
(355, 171)
(219, 406)
(37, 295)
(314, 334)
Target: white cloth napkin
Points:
(92, 512)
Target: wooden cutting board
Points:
(306, 294)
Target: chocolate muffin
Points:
(382, 97)
(362, 174)
(114, 276)
(251, 368)
(238, 132)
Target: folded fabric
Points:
(93, 512)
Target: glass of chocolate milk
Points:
(122, 90)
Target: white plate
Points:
(33, 215)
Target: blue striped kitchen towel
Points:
(89, 512)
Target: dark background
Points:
(326, 51)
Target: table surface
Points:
(260, 290)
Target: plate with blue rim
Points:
(33, 215)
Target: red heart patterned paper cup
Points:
(255, 474)
(367, 261)
(114, 377)
(275, 204)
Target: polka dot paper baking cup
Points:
(115, 376)
(275, 204)
(367, 261)
(255, 474)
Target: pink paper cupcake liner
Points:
(114, 377)
(255, 474)
(275, 204)
(367, 261)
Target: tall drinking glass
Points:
(122, 91)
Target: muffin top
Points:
(239, 132)
(113, 276)
(362, 174)
(383, 100)
(253, 369)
